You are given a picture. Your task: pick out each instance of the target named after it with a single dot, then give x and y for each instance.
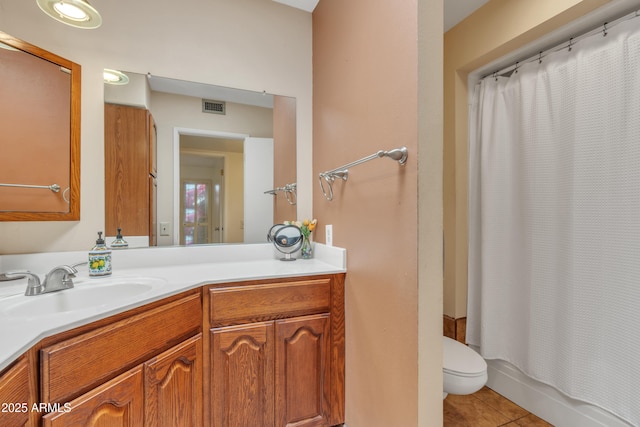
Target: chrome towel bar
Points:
(398, 154)
(53, 187)
(289, 191)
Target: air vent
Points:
(214, 107)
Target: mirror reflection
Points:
(39, 166)
(218, 151)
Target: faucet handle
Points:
(34, 279)
(78, 264)
(71, 270)
(34, 286)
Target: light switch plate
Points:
(328, 235)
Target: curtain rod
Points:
(566, 45)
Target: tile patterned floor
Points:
(486, 408)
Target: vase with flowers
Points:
(306, 227)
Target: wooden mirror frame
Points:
(73, 213)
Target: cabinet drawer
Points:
(78, 364)
(254, 303)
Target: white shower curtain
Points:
(554, 220)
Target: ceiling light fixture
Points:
(77, 13)
(115, 77)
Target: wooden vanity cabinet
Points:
(145, 369)
(277, 353)
(130, 171)
(272, 355)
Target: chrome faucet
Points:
(57, 279)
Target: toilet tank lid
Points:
(457, 357)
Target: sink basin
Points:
(86, 295)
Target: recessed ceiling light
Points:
(77, 13)
(115, 77)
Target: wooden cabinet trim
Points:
(338, 348)
(78, 364)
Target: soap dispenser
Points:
(99, 259)
(119, 242)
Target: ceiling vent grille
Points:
(214, 107)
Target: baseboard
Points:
(545, 401)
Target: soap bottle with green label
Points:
(99, 259)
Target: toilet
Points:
(464, 371)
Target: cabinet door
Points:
(17, 394)
(242, 376)
(302, 371)
(116, 403)
(173, 386)
(126, 153)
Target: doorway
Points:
(201, 148)
(208, 179)
(247, 172)
(200, 217)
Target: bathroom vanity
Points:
(265, 348)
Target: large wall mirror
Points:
(40, 141)
(225, 156)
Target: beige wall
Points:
(377, 85)
(171, 111)
(499, 27)
(250, 44)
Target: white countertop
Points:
(179, 268)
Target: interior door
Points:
(196, 212)
(258, 178)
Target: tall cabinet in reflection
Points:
(130, 171)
